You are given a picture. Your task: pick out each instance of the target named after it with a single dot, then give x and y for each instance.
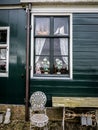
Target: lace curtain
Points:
(39, 46)
(63, 45)
(64, 49)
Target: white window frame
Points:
(7, 54)
(49, 13)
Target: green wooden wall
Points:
(9, 2)
(12, 88)
(85, 62)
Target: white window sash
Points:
(6, 46)
(70, 42)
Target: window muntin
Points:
(53, 57)
(4, 50)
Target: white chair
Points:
(38, 117)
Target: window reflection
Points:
(2, 53)
(42, 26)
(60, 46)
(61, 26)
(3, 36)
(2, 59)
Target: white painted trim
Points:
(11, 7)
(62, 1)
(71, 47)
(52, 78)
(32, 47)
(8, 40)
(7, 46)
(65, 9)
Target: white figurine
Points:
(7, 116)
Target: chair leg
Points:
(46, 128)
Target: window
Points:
(52, 47)
(4, 50)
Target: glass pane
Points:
(61, 46)
(61, 65)
(42, 66)
(2, 60)
(2, 54)
(61, 26)
(3, 36)
(42, 46)
(42, 26)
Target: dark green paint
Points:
(85, 60)
(7, 2)
(12, 88)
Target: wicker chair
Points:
(38, 117)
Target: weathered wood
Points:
(74, 102)
(65, 1)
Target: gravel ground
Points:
(55, 120)
(17, 118)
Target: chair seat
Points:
(39, 120)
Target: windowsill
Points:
(51, 77)
(3, 74)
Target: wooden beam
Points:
(74, 102)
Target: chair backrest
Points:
(38, 100)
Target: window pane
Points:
(61, 46)
(42, 66)
(2, 54)
(51, 46)
(42, 26)
(2, 60)
(41, 46)
(3, 36)
(61, 65)
(61, 26)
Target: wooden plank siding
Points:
(85, 62)
(85, 43)
(6, 2)
(12, 88)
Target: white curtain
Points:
(63, 44)
(39, 46)
(64, 49)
